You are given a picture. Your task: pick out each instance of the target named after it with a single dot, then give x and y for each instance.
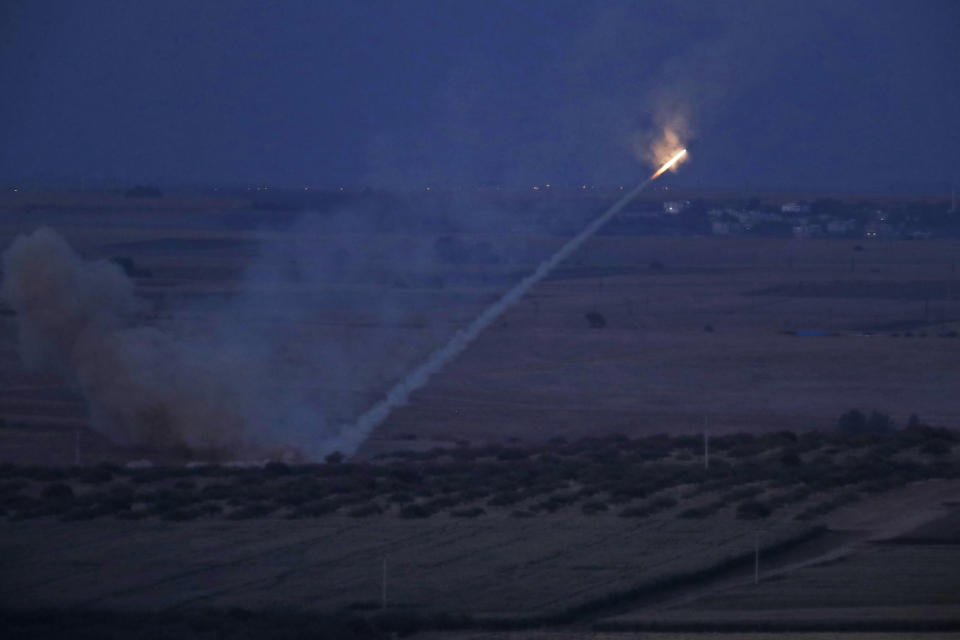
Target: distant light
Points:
(536, 188)
(341, 188)
(547, 185)
(584, 187)
(306, 188)
(428, 188)
(16, 189)
(621, 187)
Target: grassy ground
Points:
(553, 533)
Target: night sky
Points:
(774, 94)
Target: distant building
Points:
(675, 206)
(806, 230)
(725, 227)
(879, 230)
(838, 227)
(801, 208)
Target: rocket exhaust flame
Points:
(350, 437)
(669, 163)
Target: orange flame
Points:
(669, 163)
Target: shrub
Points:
(660, 504)
(936, 447)
(855, 422)
(414, 511)
(741, 493)
(57, 492)
(95, 475)
(316, 509)
(503, 499)
(790, 459)
(182, 515)
(595, 320)
(443, 502)
(275, 468)
(370, 509)
(590, 508)
(752, 510)
(702, 511)
(256, 510)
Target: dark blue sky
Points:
(848, 95)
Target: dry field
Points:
(490, 567)
(570, 532)
(700, 332)
(698, 635)
(654, 368)
(542, 371)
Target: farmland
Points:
(553, 475)
(740, 334)
(496, 536)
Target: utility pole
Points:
(756, 557)
(383, 585)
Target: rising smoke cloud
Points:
(145, 386)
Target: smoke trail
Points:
(352, 436)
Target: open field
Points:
(582, 531)
(502, 494)
(703, 336)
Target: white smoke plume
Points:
(353, 435)
(145, 386)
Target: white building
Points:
(675, 206)
(795, 208)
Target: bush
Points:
(936, 447)
(277, 469)
(752, 510)
(855, 422)
(660, 504)
(590, 508)
(790, 459)
(595, 320)
(414, 511)
(702, 511)
(504, 499)
(256, 510)
(741, 493)
(57, 492)
(371, 509)
(97, 475)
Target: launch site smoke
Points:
(220, 390)
(245, 374)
